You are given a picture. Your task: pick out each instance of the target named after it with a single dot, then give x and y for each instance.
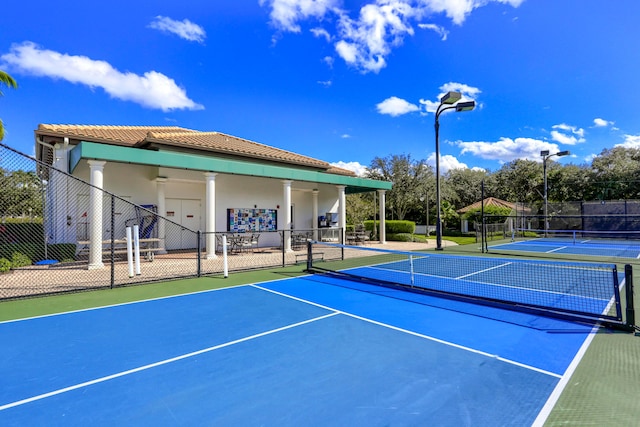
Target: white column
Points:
(162, 211)
(286, 204)
(314, 220)
(342, 210)
(210, 214)
(95, 214)
(383, 234)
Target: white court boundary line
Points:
(564, 380)
(100, 307)
(562, 384)
(160, 363)
(427, 337)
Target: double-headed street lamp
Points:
(448, 101)
(545, 156)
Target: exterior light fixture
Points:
(448, 101)
(545, 156)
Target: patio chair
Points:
(219, 243)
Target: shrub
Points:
(61, 251)
(394, 229)
(27, 232)
(19, 260)
(35, 251)
(400, 237)
(396, 226)
(5, 265)
(31, 250)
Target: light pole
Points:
(447, 101)
(545, 156)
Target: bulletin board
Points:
(241, 220)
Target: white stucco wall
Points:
(137, 184)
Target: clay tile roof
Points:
(223, 143)
(490, 201)
(339, 171)
(141, 136)
(120, 135)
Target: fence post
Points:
(112, 255)
(284, 237)
(199, 262)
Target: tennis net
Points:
(624, 244)
(582, 291)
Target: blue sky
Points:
(339, 80)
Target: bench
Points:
(316, 256)
(147, 246)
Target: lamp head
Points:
(450, 98)
(465, 106)
(563, 153)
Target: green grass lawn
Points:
(461, 240)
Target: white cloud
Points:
(630, 141)
(574, 130)
(184, 29)
(447, 162)
(345, 136)
(152, 89)
(285, 14)
(564, 138)
(599, 123)
(507, 149)
(379, 27)
(458, 10)
(441, 31)
(321, 32)
(567, 134)
(590, 158)
(366, 41)
(395, 106)
(356, 167)
(325, 83)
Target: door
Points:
(121, 219)
(185, 212)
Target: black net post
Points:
(628, 285)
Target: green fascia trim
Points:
(114, 153)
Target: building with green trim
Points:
(197, 179)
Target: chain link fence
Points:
(61, 234)
(597, 216)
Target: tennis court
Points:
(591, 243)
(312, 350)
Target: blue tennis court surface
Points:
(588, 247)
(309, 351)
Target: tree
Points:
(520, 181)
(21, 194)
(358, 208)
(7, 80)
(408, 178)
(617, 173)
(466, 184)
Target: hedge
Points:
(393, 226)
(35, 252)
